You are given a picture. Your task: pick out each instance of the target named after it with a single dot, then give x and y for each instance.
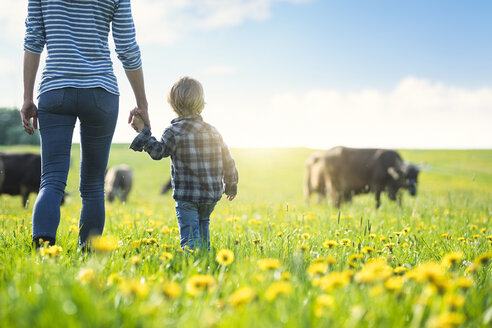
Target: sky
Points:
(306, 73)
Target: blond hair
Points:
(186, 97)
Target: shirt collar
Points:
(187, 117)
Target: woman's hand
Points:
(29, 111)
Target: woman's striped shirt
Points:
(75, 33)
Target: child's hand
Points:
(137, 123)
(230, 197)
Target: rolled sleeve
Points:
(124, 37)
(144, 141)
(231, 177)
(35, 37)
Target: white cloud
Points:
(417, 113)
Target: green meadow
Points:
(276, 261)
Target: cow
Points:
(20, 174)
(118, 182)
(343, 172)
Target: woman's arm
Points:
(137, 82)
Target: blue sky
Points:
(413, 74)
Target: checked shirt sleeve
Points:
(35, 37)
(144, 141)
(230, 172)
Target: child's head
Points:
(186, 97)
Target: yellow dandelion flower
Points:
(464, 282)
(430, 272)
(389, 245)
(483, 258)
(225, 257)
(374, 270)
(200, 283)
(303, 247)
(269, 264)
(355, 257)
(242, 296)
(285, 275)
(322, 303)
(454, 301)
(489, 237)
(317, 269)
(134, 287)
(172, 290)
(136, 260)
(447, 319)
(452, 259)
(276, 289)
(345, 242)
(332, 281)
(368, 250)
(104, 244)
(394, 283)
(305, 236)
(86, 275)
(399, 270)
(114, 279)
(372, 235)
(53, 251)
(330, 243)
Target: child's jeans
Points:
(193, 221)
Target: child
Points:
(201, 165)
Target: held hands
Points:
(142, 116)
(230, 197)
(29, 111)
(137, 123)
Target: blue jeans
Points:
(58, 111)
(193, 222)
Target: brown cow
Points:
(344, 172)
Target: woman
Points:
(77, 82)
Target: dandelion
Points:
(463, 282)
(242, 296)
(86, 275)
(447, 319)
(225, 257)
(330, 244)
(114, 279)
(372, 235)
(355, 257)
(368, 250)
(166, 256)
(374, 270)
(345, 242)
(136, 260)
(53, 251)
(322, 303)
(389, 245)
(276, 289)
(104, 244)
(400, 270)
(430, 272)
(172, 290)
(269, 264)
(332, 281)
(452, 259)
(134, 287)
(303, 247)
(483, 258)
(305, 236)
(200, 283)
(394, 283)
(317, 269)
(454, 301)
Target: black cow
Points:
(344, 172)
(20, 174)
(118, 181)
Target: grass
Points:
(145, 280)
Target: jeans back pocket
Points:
(51, 101)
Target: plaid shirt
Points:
(201, 163)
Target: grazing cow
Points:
(20, 174)
(343, 172)
(119, 180)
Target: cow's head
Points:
(411, 173)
